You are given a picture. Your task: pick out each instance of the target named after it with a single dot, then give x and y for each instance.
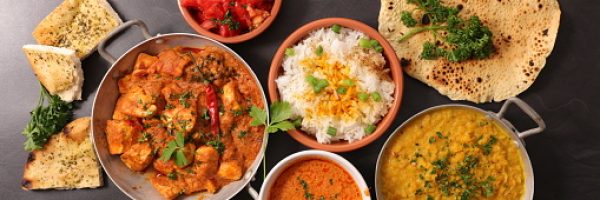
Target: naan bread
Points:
(524, 32)
(77, 24)
(58, 69)
(67, 161)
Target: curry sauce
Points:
(452, 153)
(182, 115)
(314, 179)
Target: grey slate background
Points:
(565, 157)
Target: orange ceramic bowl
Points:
(235, 39)
(391, 62)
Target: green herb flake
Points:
(364, 43)
(376, 96)
(341, 90)
(242, 134)
(172, 176)
(407, 19)
(363, 97)
(439, 135)
(336, 28)
(331, 131)
(370, 129)
(319, 50)
(317, 84)
(290, 52)
(347, 83)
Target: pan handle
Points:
(251, 191)
(529, 111)
(102, 46)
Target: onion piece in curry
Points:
(192, 105)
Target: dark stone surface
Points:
(565, 157)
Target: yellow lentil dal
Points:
(452, 153)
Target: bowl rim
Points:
(290, 160)
(392, 62)
(235, 39)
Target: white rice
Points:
(365, 66)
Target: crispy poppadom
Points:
(524, 33)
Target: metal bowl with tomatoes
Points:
(229, 21)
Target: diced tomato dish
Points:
(229, 17)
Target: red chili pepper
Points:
(213, 109)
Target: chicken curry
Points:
(182, 115)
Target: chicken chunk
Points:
(144, 65)
(207, 160)
(138, 157)
(230, 170)
(167, 187)
(170, 62)
(136, 105)
(121, 134)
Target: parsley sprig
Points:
(466, 38)
(281, 112)
(176, 147)
(280, 115)
(46, 120)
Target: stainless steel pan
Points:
(516, 136)
(136, 185)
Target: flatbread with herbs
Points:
(523, 31)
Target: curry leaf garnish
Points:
(465, 39)
(46, 120)
(175, 146)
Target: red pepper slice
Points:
(213, 109)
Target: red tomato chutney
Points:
(314, 179)
(229, 17)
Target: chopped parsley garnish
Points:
(487, 147)
(172, 176)
(242, 134)
(228, 20)
(431, 140)
(307, 194)
(217, 144)
(145, 137)
(465, 39)
(407, 19)
(183, 99)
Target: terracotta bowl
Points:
(391, 62)
(235, 39)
